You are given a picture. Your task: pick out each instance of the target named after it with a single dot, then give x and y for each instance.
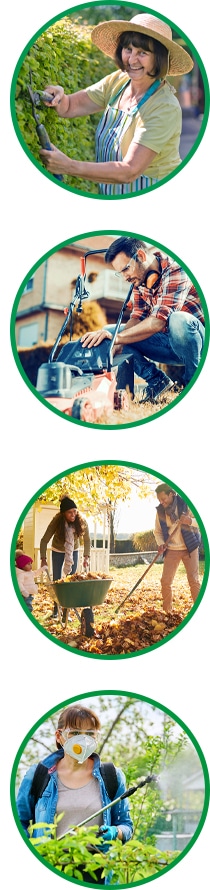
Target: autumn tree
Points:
(100, 488)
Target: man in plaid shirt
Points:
(166, 324)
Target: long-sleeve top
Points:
(177, 542)
(56, 531)
(172, 292)
(26, 581)
(46, 805)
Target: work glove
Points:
(109, 832)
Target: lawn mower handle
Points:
(110, 353)
(80, 293)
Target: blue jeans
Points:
(29, 602)
(57, 563)
(181, 344)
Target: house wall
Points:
(54, 285)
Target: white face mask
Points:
(80, 747)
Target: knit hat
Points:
(107, 34)
(67, 504)
(22, 561)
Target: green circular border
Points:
(79, 191)
(92, 654)
(154, 703)
(95, 425)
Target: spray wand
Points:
(128, 793)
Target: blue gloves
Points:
(109, 832)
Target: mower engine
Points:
(79, 384)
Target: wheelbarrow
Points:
(83, 594)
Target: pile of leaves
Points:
(82, 576)
(139, 624)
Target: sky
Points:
(135, 515)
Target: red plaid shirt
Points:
(173, 292)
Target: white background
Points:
(37, 445)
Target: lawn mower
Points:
(87, 383)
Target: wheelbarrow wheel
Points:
(121, 400)
(82, 409)
(87, 622)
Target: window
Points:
(28, 334)
(29, 286)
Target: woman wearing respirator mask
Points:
(75, 784)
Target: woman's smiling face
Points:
(137, 62)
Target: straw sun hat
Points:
(106, 37)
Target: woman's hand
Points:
(94, 338)
(43, 562)
(109, 832)
(55, 161)
(57, 93)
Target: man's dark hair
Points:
(165, 488)
(126, 245)
(149, 44)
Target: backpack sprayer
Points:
(128, 793)
(42, 134)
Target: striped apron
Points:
(109, 134)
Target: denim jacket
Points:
(45, 809)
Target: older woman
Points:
(137, 139)
(65, 529)
(74, 784)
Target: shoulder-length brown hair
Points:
(79, 525)
(149, 45)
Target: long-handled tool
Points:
(40, 129)
(146, 570)
(128, 793)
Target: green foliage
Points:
(122, 863)
(64, 55)
(144, 541)
(95, 14)
(141, 739)
(19, 542)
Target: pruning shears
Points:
(42, 134)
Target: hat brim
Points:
(106, 35)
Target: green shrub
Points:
(64, 55)
(122, 863)
(144, 541)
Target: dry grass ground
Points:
(141, 410)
